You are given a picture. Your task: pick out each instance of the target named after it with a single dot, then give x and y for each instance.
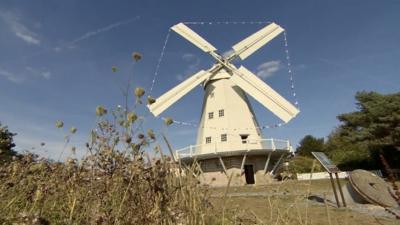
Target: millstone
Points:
(372, 188)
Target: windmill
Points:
(229, 137)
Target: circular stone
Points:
(372, 188)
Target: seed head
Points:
(151, 134)
(139, 92)
(100, 110)
(59, 124)
(136, 56)
(73, 150)
(132, 117)
(168, 121)
(128, 139)
(150, 100)
(73, 130)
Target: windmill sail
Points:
(173, 95)
(193, 37)
(251, 44)
(264, 94)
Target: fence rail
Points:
(262, 144)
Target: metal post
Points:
(267, 163)
(334, 190)
(273, 144)
(340, 190)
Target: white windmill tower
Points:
(229, 138)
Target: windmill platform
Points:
(250, 165)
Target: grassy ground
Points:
(285, 203)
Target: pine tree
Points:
(6, 145)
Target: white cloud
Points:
(228, 53)
(27, 38)
(180, 77)
(46, 75)
(20, 30)
(268, 69)
(10, 76)
(188, 57)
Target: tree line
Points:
(363, 136)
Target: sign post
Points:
(331, 169)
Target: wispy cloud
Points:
(193, 67)
(268, 69)
(23, 75)
(10, 76)
(13, 21)
(96, 32)
(44, 73)
(184, 132)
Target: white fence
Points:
(325, 175)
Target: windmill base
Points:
(239, 169)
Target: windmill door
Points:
(249, 174)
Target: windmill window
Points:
(221, 113)
(208, 140)
(210, 115)
(224, 137)
(244, 138)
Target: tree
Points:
(310, 144)
(348, 154)
(6, 144)
(371, 130)
(377, 121)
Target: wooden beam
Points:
(267, 163)
(223, 165)
(276, 165)
(199, 166)
(243, 162)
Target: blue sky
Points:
(56, 59)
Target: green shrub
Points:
(301, 164)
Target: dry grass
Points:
(115, 183)
(108, 187)
(286, 203)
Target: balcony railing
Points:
(266, 144)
